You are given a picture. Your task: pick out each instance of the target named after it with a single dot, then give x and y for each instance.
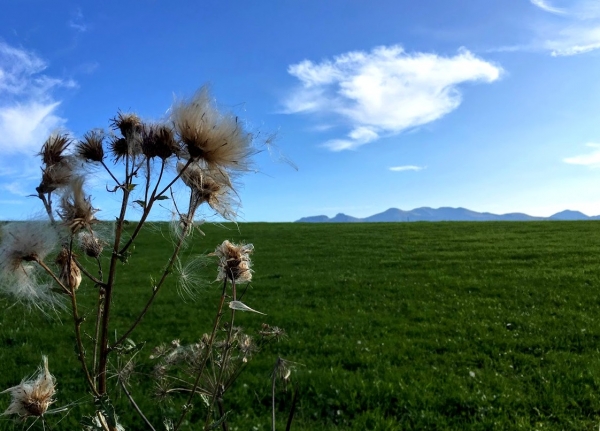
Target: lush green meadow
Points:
(394, 326)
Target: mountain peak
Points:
(443, 214)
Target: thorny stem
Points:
(88, 274)
(226, 350)
(101, 293)
(292, 409)
(222, 413)
(54, 277)
(78, 321)
(147, 208)
(155, 290)
(110, 173)
(135, 406)
(101, 296)
(224, 360)
(189, 162)
(104, 348)
(47, 205)
(204, 361)
(273, 380)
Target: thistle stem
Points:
(78, 321)
(155, 290)
(204, 361)
(135, 406)
(104, 348)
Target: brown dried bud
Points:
(70, 274)
(91, 245)
(119, 148)
(159, 140)
(53, 149)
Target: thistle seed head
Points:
(25, 242)
(234, 262)
(32, 397)
(210, 188)
(75, 208)
(159, 141)
(129, 124)
(217, 139)
(90, 147)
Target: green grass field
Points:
(397, 326)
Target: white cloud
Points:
(576, 32)
(542, 4)
(27, 106)
(385, 91)
(591, 159)
(406, 168)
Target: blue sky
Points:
(485, 104)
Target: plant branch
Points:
(78, 321)
(155, 290)
(110, 173)
(54, 277)
(88, 274)
(135, 406)
(203, 365)
(148, 206)
(104, 348)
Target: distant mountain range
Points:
(443, 214)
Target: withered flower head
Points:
(119, 148)
(234, 261)
(54, 148)
(75, 209)
(209, 135)
(91, 244)
(247, 347)
(209, 187)
(31, 398)
(70, 274)
(90, 147)
(128, 124)
(57, 175)
(159, 141)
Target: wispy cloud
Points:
(77, 23)
(542, 4)
(576, 32)
(384, 91)
(590, 159)
(27, 106)
(406, 168)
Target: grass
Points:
(395, 326)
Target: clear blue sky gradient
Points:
(485, 104)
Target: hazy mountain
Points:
(443, 214)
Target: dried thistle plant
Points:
(199, 147)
